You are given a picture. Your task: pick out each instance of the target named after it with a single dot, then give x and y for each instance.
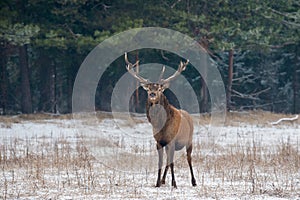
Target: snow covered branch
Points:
(285, 119)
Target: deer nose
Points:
(152, 94)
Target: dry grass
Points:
(30, 166)
(51, 168)
(251, 169)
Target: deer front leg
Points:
(170, 157)
(163, 180)
(160, 162)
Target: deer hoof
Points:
(194, 183)
(174, 184)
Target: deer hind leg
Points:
(189, 159)
(160, 162)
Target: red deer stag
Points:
(172, 128)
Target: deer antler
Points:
(161, 73)
(180, 69)
(130, 66)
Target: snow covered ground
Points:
(105, 158)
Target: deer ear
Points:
(165, 86)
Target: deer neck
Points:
(159, 114)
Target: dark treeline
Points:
(255, 44)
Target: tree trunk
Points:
(53, 88)
(137, 84)
(43, 62)
(48, 98)
(3, 81)
(70, 82)
(230, 76)
(204, 91)
(204, 100)
(26, 102)
(296, 86)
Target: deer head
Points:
(154, 90)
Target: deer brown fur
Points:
(172, 128)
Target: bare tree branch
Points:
(252, 96)
(174, 4)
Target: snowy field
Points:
(101, 157)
